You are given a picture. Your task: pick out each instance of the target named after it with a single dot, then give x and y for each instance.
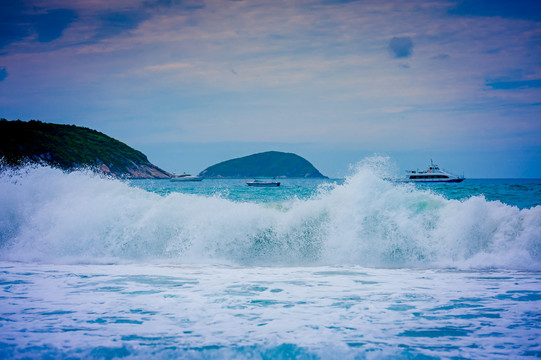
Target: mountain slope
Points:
(72, 147)
(266, 164)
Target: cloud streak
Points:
(516, 9)
(520, 84)
(168, 67)
(3, 73)
(18, 22)
(51, 24)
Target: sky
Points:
(192, 83)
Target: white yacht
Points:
(433, 175)
(185, 177)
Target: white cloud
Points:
(168, 67)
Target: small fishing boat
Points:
(261, 183)
(433, 175)
(185, 177)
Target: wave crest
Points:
(51, 216)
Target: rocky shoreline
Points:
(71, 147)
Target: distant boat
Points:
(261, 183)
(433, 175)
(185, 177)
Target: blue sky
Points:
(192, 83)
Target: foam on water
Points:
(50, 216)
(224, 312)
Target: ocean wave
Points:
(47, 215)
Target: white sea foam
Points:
(227, 312)
(50, 216)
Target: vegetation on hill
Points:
(72, 147)
(267, 164)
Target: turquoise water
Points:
(360, 267)
(523, 193)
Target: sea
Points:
(357, 268)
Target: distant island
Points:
(71, 147)
(271, 164)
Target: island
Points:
(71, 147)
(270, 164)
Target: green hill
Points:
(267, 164)
(72, 147)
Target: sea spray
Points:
(51, 216)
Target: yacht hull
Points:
(263, 183)
(433, 181)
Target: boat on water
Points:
(433, 175)
(262, 183)
(185, 177)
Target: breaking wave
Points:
(47, 215)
